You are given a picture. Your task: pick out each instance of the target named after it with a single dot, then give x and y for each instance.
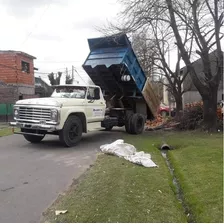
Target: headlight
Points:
(54, 114)
(16, 113)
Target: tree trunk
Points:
(210, 111)
(179, 106)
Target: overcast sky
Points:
(54, 31)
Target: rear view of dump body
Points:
(113, 65)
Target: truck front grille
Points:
(34, 114)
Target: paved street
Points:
(32, 175)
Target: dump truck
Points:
(130, 99)
(121, 96)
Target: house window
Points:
(25, 66)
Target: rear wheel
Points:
(137, 124)
(71, 133)
(128, 123)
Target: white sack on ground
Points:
(141, 158)
(118, 148)
(128, 152)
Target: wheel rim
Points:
(73, 131)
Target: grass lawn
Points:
(115, 190)
(198, 164)
(6, 131)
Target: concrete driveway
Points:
(32, 175)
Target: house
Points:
(17, 69)
(42, 89)
(192, 94)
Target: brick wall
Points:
(11, 68)
(8, 94)
(24, 77)
(7, 63)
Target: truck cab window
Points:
(93, 94)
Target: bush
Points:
(193, 117)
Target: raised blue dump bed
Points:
(109, 59)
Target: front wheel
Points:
(71, 133)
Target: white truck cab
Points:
(66, 113)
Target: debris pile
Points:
(161, 123)
(155, 124)
(191, 119)
(193, 116)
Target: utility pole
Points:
(72, 73)
(66, 71)
(66, 74)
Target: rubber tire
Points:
(128, 124)
(137, 124)
(33, 138)
(64, 133)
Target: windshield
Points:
(69, 92)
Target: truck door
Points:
(95, 105)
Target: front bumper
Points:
(43, 127)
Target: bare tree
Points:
(163, 39)
(204, 19)
(194, 26)
(55, 80)
(145, 51)
(152, 42)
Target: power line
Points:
(35, 26)
(47, 73)
(56, 61)
(44, 73)
(79, 75)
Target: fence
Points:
(8, 96)
(6, 112)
